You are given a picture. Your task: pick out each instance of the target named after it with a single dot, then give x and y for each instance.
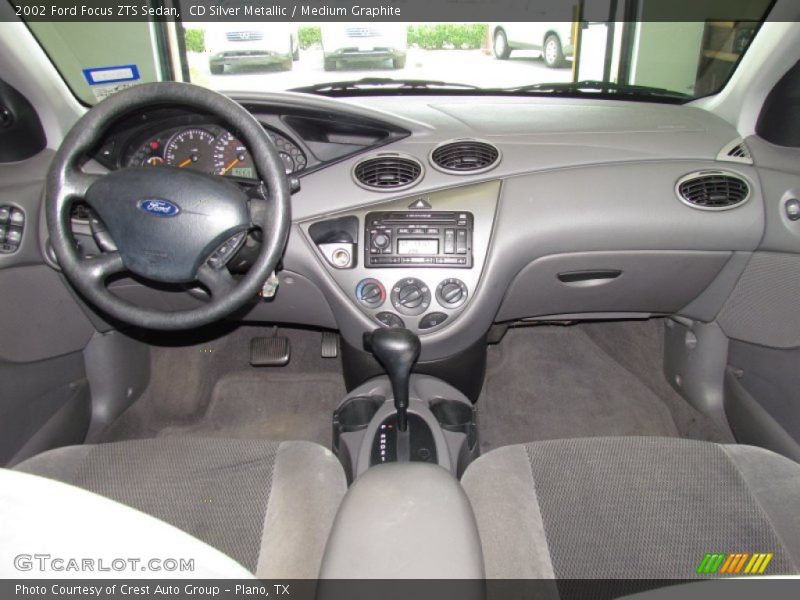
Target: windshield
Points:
(657, 60)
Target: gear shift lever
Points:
(397, 350)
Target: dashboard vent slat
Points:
(713, 190)
(736, 151)
(465, 156)
(387, 172)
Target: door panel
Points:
(44, 394)
(762, 316)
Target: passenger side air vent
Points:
(735, 151)
(388, 171)
(465, 156)
(713, 190)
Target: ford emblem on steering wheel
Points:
(158, 207)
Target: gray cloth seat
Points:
(268, 505)
(631, 508)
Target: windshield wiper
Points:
(603, 87)
(383, 84)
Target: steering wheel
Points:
(168, 225)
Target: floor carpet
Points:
(588, 380)
(542, 382)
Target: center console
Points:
(413, 263)
(404, 440)
(403, 418)
(441, 425)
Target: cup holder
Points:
(357, 413)
(452, 415)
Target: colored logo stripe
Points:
(711, 563)
(758, 564)
(734, 563)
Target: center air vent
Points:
(713, 190)
(388, 172)
(465, 156)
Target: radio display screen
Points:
(417, 246)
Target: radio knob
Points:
(451, 293)
(380, 240)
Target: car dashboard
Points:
(448, 214)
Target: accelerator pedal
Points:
(270, 351)
(330, 344)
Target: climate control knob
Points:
(370, 293)
(451, 293)
(411, 296)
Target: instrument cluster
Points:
(210, 149)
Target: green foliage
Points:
(195, 40)
(309, 36)
(447, 35)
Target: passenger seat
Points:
(632, 507)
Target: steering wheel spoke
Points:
(78, 183)
(98, 268)
(219, 282)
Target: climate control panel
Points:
(410, 298)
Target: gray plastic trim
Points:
(118, 369)
(39, 318)
(751, 424)
(707, 305)
(649, 282)
(66, 427)
(695, 357)
(595, 208)
(479, 199)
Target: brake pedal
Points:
(270, 351)
(330, 344)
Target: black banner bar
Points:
(377, 10)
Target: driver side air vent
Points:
(388, 171)
(713, 190)
(465, 156)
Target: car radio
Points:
(418, 239)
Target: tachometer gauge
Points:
(191, 149)
(293, 159)
(232, 158)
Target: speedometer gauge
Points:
(192, 149)
(232, 158)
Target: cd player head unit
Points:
(418, 239)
